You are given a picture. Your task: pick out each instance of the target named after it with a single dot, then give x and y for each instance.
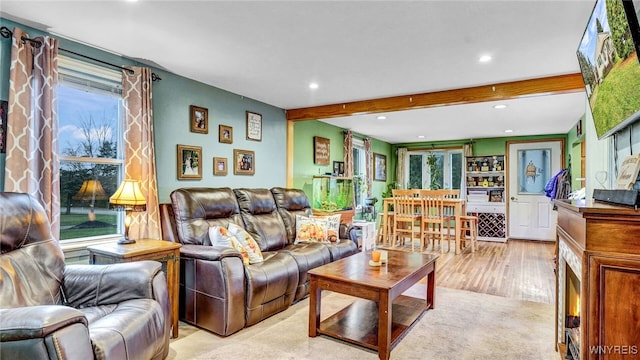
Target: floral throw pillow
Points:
(311, 230)
(248, 242)
(333, 226)
(220, 236)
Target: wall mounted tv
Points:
(608, 59)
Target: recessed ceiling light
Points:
(508, 131)
(500, 106)
(381, 117)
(485, 58)
(313, 85)
(420, 136)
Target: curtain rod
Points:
(7, 33)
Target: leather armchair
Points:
(49, 310)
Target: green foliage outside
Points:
(67, 221)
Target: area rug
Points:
(464, 325)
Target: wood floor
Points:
(519, 269)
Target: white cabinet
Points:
(486, 180)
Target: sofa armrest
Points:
(212, 253)
(44, 332)
(92, 285)
(39, 321)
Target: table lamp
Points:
(129, 198)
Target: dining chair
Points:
(433, 221)
(406, 215)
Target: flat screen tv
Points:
(608, 59)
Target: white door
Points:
(531, 166)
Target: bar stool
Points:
(470, 224)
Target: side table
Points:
(166, 252)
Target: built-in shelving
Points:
(486, 180)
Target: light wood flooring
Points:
(519, 269)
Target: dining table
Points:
(455, 205)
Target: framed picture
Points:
(338, 168)
(321, 150)
(3, 126)
(254, 126)
(244, 162)
(219, 166)
(199, 119)
(189, 164)
(225, 134)
(379, 167)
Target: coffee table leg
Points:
(431, 287)
(384, 326)
(314, 307)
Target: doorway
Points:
(530, 167)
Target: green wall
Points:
(304, 169)
(172, 97)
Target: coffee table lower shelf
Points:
(358, 322)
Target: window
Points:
(359, 173)
(89, 138)
(436, 169)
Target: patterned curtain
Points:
(402, 157)
(348, 153)
(368, 166)
(139, 149)
(32, 164)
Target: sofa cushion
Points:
(261, 219)
(195, 209)
(291, 202)
(333, 226)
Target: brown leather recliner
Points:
(264, 223)
(217, 292)
(49, 310)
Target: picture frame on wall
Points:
(199, 119)
(379, 167)
(244, 162)
(219, 166)
(189, 164)
(254, 126)
(225, 134)
(321, 150)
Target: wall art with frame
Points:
(189, 164)
(379, 167)
(244, 162)
(199, 119)
(321, 150)
(225, 134)
(254, 126)
(220, 166)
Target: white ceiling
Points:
(354, 50)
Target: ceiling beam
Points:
(551, 85)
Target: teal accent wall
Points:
(172, 97)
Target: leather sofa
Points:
(217, 291)
(49, 310)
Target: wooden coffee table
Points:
(382, 315)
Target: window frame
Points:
(89, 77)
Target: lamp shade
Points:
(90, 190)
(128, 197)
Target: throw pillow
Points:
(248, 242)
(333, 226)
(311, 230)
(220, 236)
